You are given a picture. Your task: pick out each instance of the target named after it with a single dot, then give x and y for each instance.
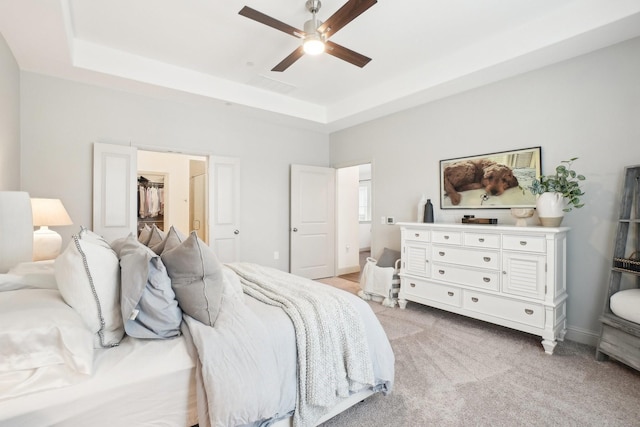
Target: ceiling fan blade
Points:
(347, 13)
(346, 54)
(271, 22)
(289, 60)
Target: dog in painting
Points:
(466, 175)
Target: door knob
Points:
(236, 231)
(294, 229)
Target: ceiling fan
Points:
(316, 34)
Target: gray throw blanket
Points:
(331, 341)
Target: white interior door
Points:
(224, 208)
(312, 234)
(114, 190)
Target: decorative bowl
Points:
(521, 215)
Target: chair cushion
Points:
(626, 304)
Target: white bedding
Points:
(153, 382)
(248, 360)
(139, 383)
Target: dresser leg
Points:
(549, 346)
(402, 303)
(561, 335)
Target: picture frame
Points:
(498, 180)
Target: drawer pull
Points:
(413, 285)
(481, 239)
(441, 253)
(417, 234)
(487, 259)
(474, 299)
(528, 311)
(446, 237)
(523, 242)
(450, 293)
(486, 279)
(441, 271)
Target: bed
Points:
(207, 344)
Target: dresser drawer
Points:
(448, 237)
(482, 240)
(432, 291)
(483, 279)
(465, 257)
(524, 243)
(417, 235)
(515, 311)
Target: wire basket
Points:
(631, 264)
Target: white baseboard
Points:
(348, 270)
(582, 336)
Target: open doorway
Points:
(176, 185)
(354, 213)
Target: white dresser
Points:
(511, 276)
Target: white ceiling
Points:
(421, 50)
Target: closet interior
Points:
(151, 201)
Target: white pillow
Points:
(196, 278)
(29, 275)
(95, 238)
(44, 343)
(626, 304)
(88, 276)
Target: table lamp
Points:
(47, 213)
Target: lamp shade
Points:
(49, 212)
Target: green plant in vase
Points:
(558, 193)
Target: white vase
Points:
(550, 208)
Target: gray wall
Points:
(9, 119)
(586, 107)
(61, 120)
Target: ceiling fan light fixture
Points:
(313, 44)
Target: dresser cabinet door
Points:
(523, 274)
(415, 259)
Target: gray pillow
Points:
(148, 303)
(157, 236)
(172, 239)
(196, 278)
(145, 234)
(388, 258)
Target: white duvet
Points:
(248, 360)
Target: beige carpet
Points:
(456, 371)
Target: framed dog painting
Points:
(490, 181)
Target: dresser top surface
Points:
(483, 227)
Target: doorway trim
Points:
(349, 164)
